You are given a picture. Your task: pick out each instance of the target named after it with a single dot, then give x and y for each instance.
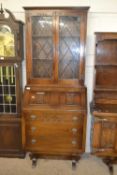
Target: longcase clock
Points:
(11, 54)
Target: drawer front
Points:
(52, 130)
(43, 143)
(53, 116)
(56, 98)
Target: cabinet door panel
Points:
(69, 47)
(42, 46)
(10, 136)
(104, 134)
(106, 52)
(108, 77)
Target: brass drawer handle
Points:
(40, 93)
(33, 141)
(75, 118)
(33, 96)
(33, 128)
(74, 142)
(74, 130)
(33, 117)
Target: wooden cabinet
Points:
(104, 104)
(54, 108)
(11, 54)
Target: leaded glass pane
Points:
(8, 103)
(42, 47)
(69, 47)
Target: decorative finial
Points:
(1, 10)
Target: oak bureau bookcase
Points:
(11, 55)
(54, 108)
(104, 104)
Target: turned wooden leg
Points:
(34, 162)
(33, 159)
(110, 166)
(74, 162)
(109, 163)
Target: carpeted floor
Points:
(86, 166)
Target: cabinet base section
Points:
(55, 157)
(12, 154)
(109, 160)
(10, 137)
(34, 158)
(110, 154)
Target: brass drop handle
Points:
(33, 96)
(74, 142)
(33, 141)
(74, 130)
(40, 93)
(75, 118)
(33, 128)
(33, 117)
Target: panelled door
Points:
(104, 134)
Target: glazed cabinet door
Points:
(69, 47)
(40, 46)
(10, 94)
(104, 135)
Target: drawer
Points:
(56, 116)
(51, 129)
(53, 142)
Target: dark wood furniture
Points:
(54, 108)
(104, 104)
(11, 54)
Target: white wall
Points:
(102, 17)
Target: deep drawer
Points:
(53, 142)
(55, 116)
(53, 129)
